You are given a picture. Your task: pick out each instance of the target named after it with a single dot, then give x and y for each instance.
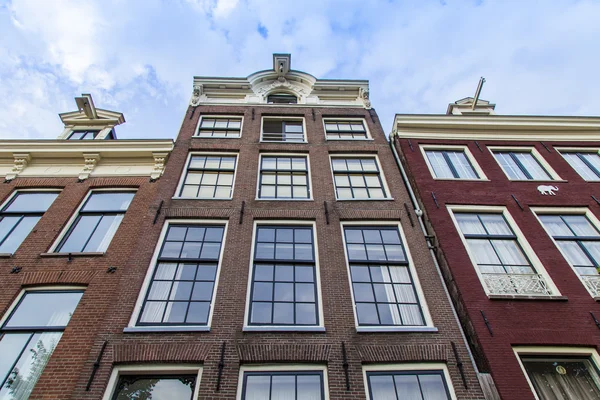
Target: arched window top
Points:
(282, 98)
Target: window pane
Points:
(79, 236)
(160, 387)
(31, 202)
(563, 378)
(580, 225)
(104, 233)
(108, 201)
(309, 387)
(581, 167)
(18, 233)
(495, 224)
(510, 166)
(283, 387)
(38, 309)
(555, 225)
(258, 387)
(469, 224)
(382, 387)
(439, 165)
(11, 345)
(461, 164)
(532, 166)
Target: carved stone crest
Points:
(364, 95)
(198, 91)
(159, 164)
(20, 162)
(91, 160)
(547, 190)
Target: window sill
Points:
(596, 298)
(460, 180)
(281, 142)
(158, 329)
(200, 198)
(78, 254)
(257, 199)
(525, 297)
(215, 137)
(284, 329)
(384, 329)
(386, 199)
(6, 255)
(350, 140)
(540, 180)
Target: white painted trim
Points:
(282, 367)
(283, 118)
(241, 117)
(258, 176)
(536, 155)
(538, 211)
(80, 206)
(413, 272)
(550, 351)
(187, 165)
(152, 369)
(565, 150)
(408, 367)
(320, 321)
(465, 149)
(527, 249)
(150, 272)
(361, 119)
(360, 155)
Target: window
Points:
(450, 164)
(19, 215)
(86, 134)
(29, 336)
(345, 129)
(283, 130)
(220, 127)
(358, 178)
(499, 256)
(400, 385)
(284, 278)
(586, 164)
(280, 385)
(96, 222)
(382, 283)
(282, 98)
(579, 241)
(522, 165)
(209, 176)
(183, 282)
(284, 177)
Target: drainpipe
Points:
(419, 213)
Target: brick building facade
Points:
(512, 206)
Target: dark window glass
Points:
(220, 127)
(20, 215)
(96, 223)
(209, 177)
(384, 291)
(345, 129)
(29, 336)
(414, 385)
(182, 286)
(282, 99)
(277, 130)
(586, 164)
(304, 385)
(283, 178)
(155, 387)
(448, 164)
(521, 166)
(84, 135)
(284, 286)
(357, 178)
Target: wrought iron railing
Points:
(522, 284)
(592, 282)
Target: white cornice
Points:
(66, 148)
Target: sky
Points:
(139, 56)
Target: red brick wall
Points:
(514, 322)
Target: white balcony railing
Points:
(522, 284)
(592, 282)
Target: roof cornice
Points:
(62, 148)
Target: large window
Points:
(586, 164)
(29, 336)
(209, 176)
(522, 165)
(382, 283)
(220, 127)
(284, 177)
(282, 130)
(358, 178)
(451, 164)
(96, 222)
(413, 385)
(284, 278)
(182, 287)
(19, 215)
(282, 98)
(283, 385)
(349, 129)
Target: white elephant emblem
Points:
(547, 190)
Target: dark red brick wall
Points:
(514, 322)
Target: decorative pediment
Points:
(88, 116)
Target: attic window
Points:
(282, 99)
(84, 135)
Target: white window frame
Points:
(591, 150)
(360, 155)
(363, 120)
(132, 327)
(551, 351)
(75, 214)
(525, 246)
(458, 148)
(103, 131)
(152, 369)
(184, 173)
(536, 155)
(195, 135)
(258, 175)
(428, 327)
(282, 367)
(283, 118)
(319, 327)
(408, 367)
(539, 211)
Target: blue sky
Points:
(139, 56)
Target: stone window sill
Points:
(158, 329)
(284, 329)
(525, 297)
(388, 329)
(6, 255)
(58, 255)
